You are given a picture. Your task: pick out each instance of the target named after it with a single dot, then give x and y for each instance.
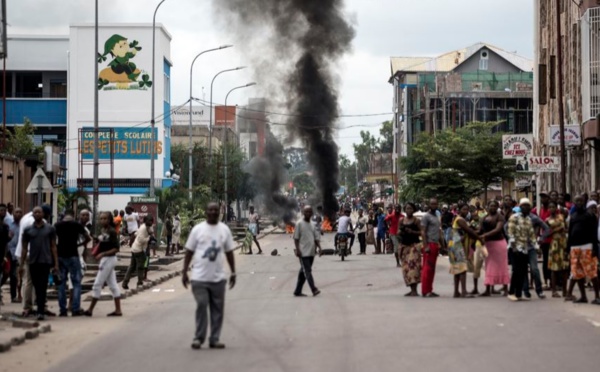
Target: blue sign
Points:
(125, 144)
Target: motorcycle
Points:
(342, 246)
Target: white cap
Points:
(591, 203)
(525, 201)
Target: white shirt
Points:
(26, 221)
(343, 223)
(176, 226)
(361, 220)
(209, 244)
(132, 222)
(141, 239)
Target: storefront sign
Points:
(539, 164)
(126, 143)
(180, 115)
(572, 135)
(145, 206)
(225, 115)
(517, 146)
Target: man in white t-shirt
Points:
(206, 248)
(132, 220)
(307, 245)
(345, 229)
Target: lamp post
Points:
(191, 146)
(210, 133)
(96, 173)
(152, 124)
(225, 150)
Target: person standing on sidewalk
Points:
(69, 233)
(253, 226)
(544, 213)
(138, 255)
(132, 219)
(14, 228)
(4, 239)
(176, 233)
(206, 248)
(39, 250)
(543, 232)
(307, 243)
(432, 236)
(521, 240)
(393, 220)
(361, 231)
(169, 234)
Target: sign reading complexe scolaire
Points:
(572, 135)
(517, 146)
(126, 143)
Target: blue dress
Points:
(381, 226)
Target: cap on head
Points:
(591, 203)
(47, 209)
(544, 194)
(525, 201)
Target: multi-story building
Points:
(478, 83)
(580, 22)
(36, 85)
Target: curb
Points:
(20, 331)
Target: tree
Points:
(363, 151)
(19, 142)
(454, 165)
(304, 184)
(348, 174)
(386, 140)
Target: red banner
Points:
(225, 115)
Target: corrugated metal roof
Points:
(449, 61)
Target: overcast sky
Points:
(384, 28)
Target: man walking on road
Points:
(39, 250)
(207, 246)
(138, 255)
(306, 239)
(431, 232)
(14, 233)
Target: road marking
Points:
(156, 290)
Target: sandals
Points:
(114, 313)
(556, 295)
(596, 301)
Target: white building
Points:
(124, 84)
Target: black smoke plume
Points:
(293, 47)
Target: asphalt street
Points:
(360, 322)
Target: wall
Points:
(122, 104)
(37, 53)
(496, 63)
(14, 180)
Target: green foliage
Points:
(453, 165)
(348, 174)
(19, 142)
(78, 199)
(386, 142)
(304, 184)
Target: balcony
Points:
(41, 111)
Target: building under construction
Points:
(477, 83)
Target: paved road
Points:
(361, 322)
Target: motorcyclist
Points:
(345, 229)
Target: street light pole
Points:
(152, 123)
(191, 145)
(95, 182)
(225, 150)
(210, 125)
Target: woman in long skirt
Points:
(410, 249)
(496, 262)
(459, 250)
(558, 262)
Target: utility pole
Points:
(96, 128)
(561, 114)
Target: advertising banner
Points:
(180, 115)
(517, 146)
(572, 135)
(225, 115)
(539, 164)
(145, 206)
(126, 143)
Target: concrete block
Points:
(5, 346)
(46, 328)
(30, 334)
(23, 323)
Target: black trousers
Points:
(14, 278)
(545, 247)
(362, 240)
(519, 273)
(305, 275)
(39, 277)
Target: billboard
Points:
(180, 115)
(125, 144)
(541, 164)
(225, 115)
(517, 146)
(572, 135)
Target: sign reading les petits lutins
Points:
(125, 144)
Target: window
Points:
(167, 88)
(58, 89)
(483, 60)
(28, 85)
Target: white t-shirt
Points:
(209, 244)
(361, 221)
(132, 222)
(343, 224)
(26, 221)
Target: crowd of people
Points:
(506, 238)
(37, 254)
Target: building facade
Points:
(478, 83)
(580, 22)
(124, 86)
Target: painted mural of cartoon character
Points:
(121, 70)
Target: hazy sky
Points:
(384, 28)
